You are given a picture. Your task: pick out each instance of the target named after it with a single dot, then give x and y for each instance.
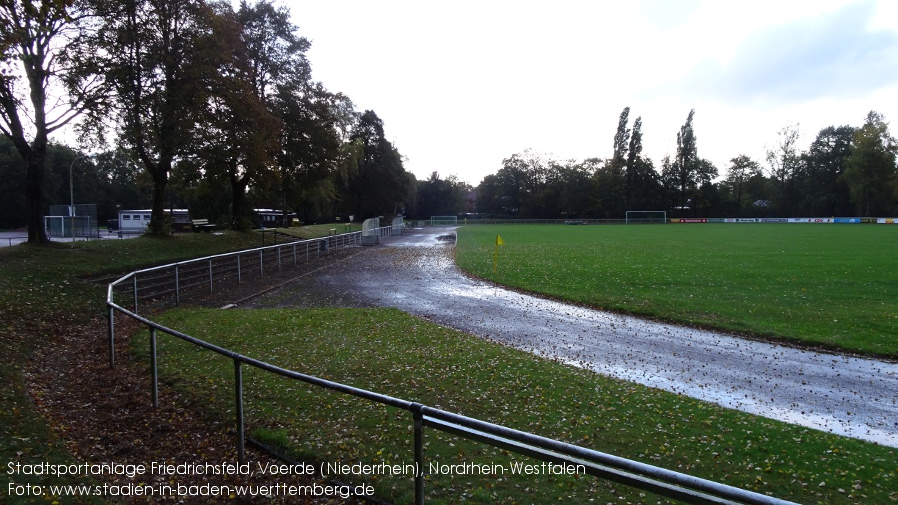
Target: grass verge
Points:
(832, 286)
(391, 352)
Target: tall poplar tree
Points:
(685, 164)
(621, 141)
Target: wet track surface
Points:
(416, 273)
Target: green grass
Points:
(47, 289)
(821, 285)
(391, 352)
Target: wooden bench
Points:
(201, 225)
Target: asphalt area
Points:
(415, 272)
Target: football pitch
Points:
(834, 286)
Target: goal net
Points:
(646, 217)
(443, 221)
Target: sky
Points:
(462, 85)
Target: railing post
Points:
(294, 254)
(418, 413)
(238, 268)
(111, 337)
(238, 392)
(135, 292)
(211, 289)
(154, 371)
(262, 262)
(177, 287)
(279, 259)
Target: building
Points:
(273, 218)
(136, 221)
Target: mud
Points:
(416, 273)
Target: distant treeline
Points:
(846, 171)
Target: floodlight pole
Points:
(72, 194)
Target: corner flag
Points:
(499, 242)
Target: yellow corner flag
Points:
(499, 242)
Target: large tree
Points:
(822, 189)
(742, 168)
(155, 54)
(871, 172)
(441, 197)
(33, 67)
(315, 159)
(239, 133)
(381, 186)
(685, 164)
(621, 141)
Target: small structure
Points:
(136, 221)
(398, 226)
(274, 218)
(370, 231)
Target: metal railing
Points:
(623, 471)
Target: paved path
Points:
(416, 273)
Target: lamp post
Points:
(72, 194)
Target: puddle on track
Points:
(415, 272)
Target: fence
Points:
(198, 273)
(688, 220)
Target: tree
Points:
(574, 189)
(34, 63)
(150, 52)
(382, 185)
(12, 186)
(441, 197)
(315, 160)
(489, 196)
(783, 161)
(871, 171)
(621, 141)
(634, 151)
(741, 169)
(685, 164)
(704, 194)
(522, 177)
(610, 180)
(239, 133)
(610, 191)
(820, 183)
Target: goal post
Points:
(646, 217)
(443, 220)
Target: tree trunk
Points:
(238, 194)
(35, 169)
(158, 223)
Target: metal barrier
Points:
(623, 471)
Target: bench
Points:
(201, 225)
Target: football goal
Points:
(443, 221)
(646, 217)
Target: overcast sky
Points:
(461, 85)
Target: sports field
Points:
(823, 285)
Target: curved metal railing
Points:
(624, 471)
